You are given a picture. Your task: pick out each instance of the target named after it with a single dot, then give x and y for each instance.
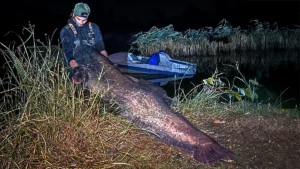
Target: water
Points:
(277, 72)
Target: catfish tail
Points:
(211, 153)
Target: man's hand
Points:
(103, 52)
(73, 64)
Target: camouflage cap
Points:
(82, 10)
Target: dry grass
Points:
(96, 142)
(109, 141)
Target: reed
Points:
(224, 38)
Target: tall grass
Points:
(224, 38)
(42, 112)
(36, 80)
(46, 121)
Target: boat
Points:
(159, 80)
(159, 63)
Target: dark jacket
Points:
(82, 39)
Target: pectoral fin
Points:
(156, 90)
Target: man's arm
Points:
(99, 43)
(68, 45)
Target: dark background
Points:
(118, 20)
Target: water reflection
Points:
(255, 63)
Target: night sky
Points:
(129, 16)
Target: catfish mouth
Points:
(78, 77)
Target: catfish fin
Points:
(210, 153)
(159, 91)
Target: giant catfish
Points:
(148, 106)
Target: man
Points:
(78, 35)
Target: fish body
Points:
(148, 106)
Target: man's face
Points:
(80, 21)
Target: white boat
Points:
(159, 63)
(159, 80)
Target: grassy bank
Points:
(48, 122)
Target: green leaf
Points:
(256, 95)
(229, 91)
(237, 96)
(210, 80)
(248, 92)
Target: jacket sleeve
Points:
(99, 44)
(67, 43)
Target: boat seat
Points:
(154, 59)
